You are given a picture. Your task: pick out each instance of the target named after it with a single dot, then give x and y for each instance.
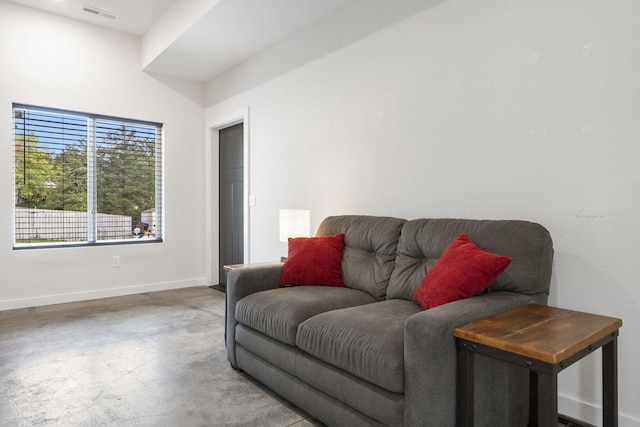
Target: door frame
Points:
(212, 202)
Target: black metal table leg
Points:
(547, 400)
(465, 387)
(533, 399)
(610, 384)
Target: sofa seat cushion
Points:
(367, 341)
(278, 312)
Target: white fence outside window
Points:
(69, 226)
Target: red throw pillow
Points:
(314, 261)
(463, 270)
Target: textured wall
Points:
(493, 109)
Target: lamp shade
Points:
(294, 223)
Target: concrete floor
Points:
(155, 359)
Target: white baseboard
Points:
(589, 413)
(101, 293)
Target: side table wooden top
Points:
(255, 264)
(544, 333)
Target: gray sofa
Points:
(366, 354)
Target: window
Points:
(85, 179)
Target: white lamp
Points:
(294, 223)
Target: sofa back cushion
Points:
(423, 240)
(370, 245)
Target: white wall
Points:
(176, 20)
(51, 61)
(494, 109)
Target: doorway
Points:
(231, 198)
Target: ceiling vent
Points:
(95, 11)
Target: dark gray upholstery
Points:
(282, 355)
(423, 241)
(367, 341)
(278, 312)
(369, 254)
(243, 282)
(359, 394)
(366, 355)
(322, 406)
(430, 366)
(379, 403)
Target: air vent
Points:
(98, 12)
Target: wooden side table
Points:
(255, 264)
(233, 266)
(544, 340)
(229, 267)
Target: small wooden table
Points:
(544, 340)
(255, 264)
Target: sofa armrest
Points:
(430, 354)
(242, 282)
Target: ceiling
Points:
(131, 16)
(219, 36)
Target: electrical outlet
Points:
(115, 262)
(252, 199)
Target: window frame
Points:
(91, 180)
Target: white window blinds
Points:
(85, 179)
